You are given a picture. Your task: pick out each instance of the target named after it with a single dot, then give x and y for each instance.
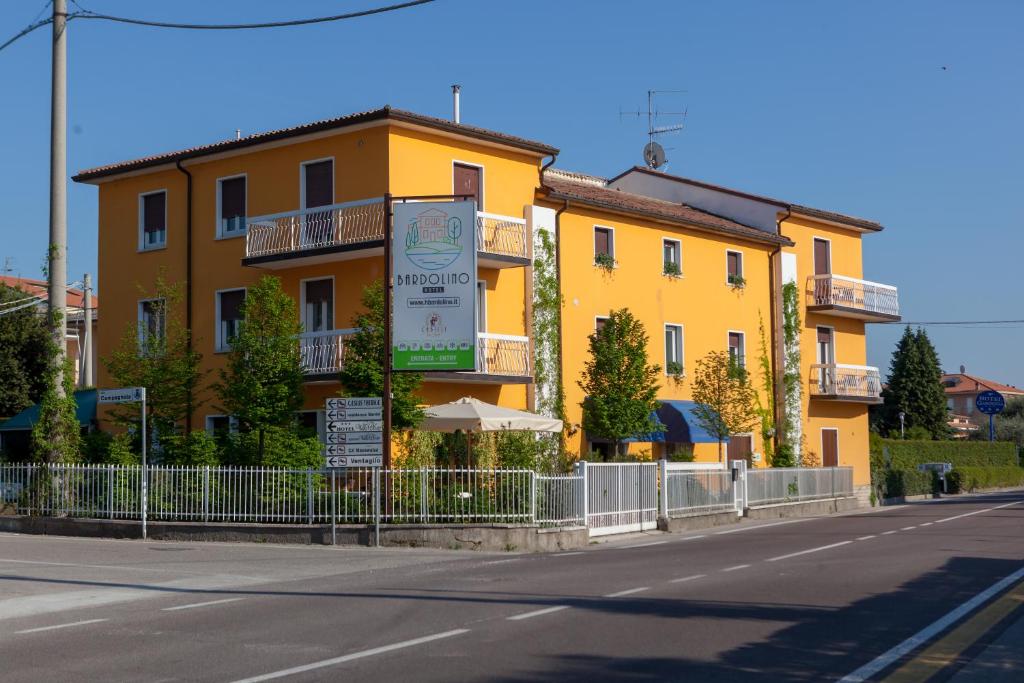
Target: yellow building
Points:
(307, 204)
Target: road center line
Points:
(629, 591)
(355, 655)
(200, 604)
(688, 578)
(865, 538)
(52, 628)
(762, 526)
(578, 552)
(644, 545)
(927, 633)
(808, 551)
(908, 528)
(538, 613)
(927, 523)
(976, 512)
(887, 533)
(736, 568)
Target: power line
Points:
(89, 14)
(953, 322)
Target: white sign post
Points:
(133, 395)
(433, 261)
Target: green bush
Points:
(197, 448)
(974, 478)
(909, 454)
(902, 482)
(95, 447)
(281, 448)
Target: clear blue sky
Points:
(843, 106)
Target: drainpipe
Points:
(188, 282)
(778, 350)
(558, 278)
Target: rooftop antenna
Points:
(654, 153)
(8, 269)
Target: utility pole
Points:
(58, 243)
(86, 350)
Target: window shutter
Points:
(232, 197)
(318, 291)
(467, 181)
(319, 184)
(734, 264)
(153, 209)
(231, 304)
(602, 241)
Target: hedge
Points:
(907, 455)
(973, 478)
(893, 483)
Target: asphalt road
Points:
(797, 600)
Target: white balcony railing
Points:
(293, 232)
(858, 382)
(851, 293)
(503, 354)
(323, 353)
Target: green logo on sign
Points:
(432, 239)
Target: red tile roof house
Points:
(76, 316)
(962, 388)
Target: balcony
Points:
(849, 383)
(852, 298)
(502, 358)
(356, 230)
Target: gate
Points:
(619, 497)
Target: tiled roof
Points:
(970, 384)
(594, 191)
(862, 223)
(327, 124)
(76, 297)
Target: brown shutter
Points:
(153, 210)
(319, 184)
(830, 448)
(733, 264)
(599, 324)
(822, 258)
(231, 304)
(319, 291)
(824, 335)
(602, 241)
(734, 342)
(467, 181)
(232, 198)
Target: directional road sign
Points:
(346, 403)
(355, 460)
(349, 414)
(370, 426)
(354, 437)
(355, 449)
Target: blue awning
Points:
(85, 411)
(680, 425)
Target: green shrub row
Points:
(910, 454)
(973, 478)
(894, 483)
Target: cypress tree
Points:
(915, 387)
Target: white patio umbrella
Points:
(471, 415)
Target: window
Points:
(229, 316)
(219, 425)
(737, 345)
(599, 324)
(151, 321)
(312, 422)
(672, 263)
(318, 305)
(231, 206)
(734, 267)
(153, 220)
(604, 246)
(949, 404)
(674, 350)
(318, 184)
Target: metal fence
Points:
(620, 497)
(560, 500)
(697, 492)
(792, 484)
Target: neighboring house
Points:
(76, 336)
(962, 389)
(701, 266)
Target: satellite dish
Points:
(654, 155)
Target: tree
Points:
(915, 387)
(726, 402)
(159, 358)
(262, 383)
(618, 384)
(23, 360)
(363, 371)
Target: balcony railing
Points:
(852, 297)
(323, 353)
(860, 383)
(293, 232)
(503, 354)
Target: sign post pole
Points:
(388, 233)
(145, 473)
(133, 395)
(991, 428)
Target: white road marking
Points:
(865, 538)
(737, 567)
(629, 591)
(908, 528)
(894, 531)
(578, 552)
(976, 512)
(514, 559)
(538, 613)
(200, 604)
(927, 633)
(762, 526)
(688, 578)
(927, 523)
(691, 538)
(808, 551)
(644, 545)
(51, 628)
(355, 655)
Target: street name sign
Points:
(355, 460)
(347, 403)
(350, 414)
(345, 426)
(355, 449)
(354, 437)
(125, 395)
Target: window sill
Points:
(229, 236)
(154, 248)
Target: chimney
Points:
(456, 88)
(963, 370)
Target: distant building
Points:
(961, 391)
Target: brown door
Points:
(830, 448)
(740, 447)
(467, 181)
